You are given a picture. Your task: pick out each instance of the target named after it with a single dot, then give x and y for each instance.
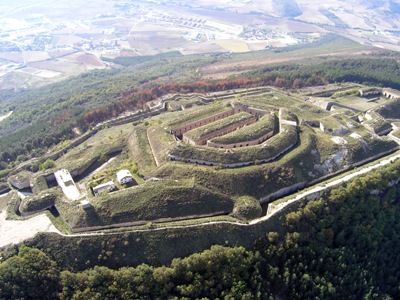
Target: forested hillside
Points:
(341, 246)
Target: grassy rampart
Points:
(274, 146)
(140, 150)
(151, 201)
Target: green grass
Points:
(161, 142)
(360, 103)
(39, 184)
(95, 147)
(250, 132)
(205, 130)
(390, 110)
(378, 124)
(332, 123)
(247, 208)
(183, 117)
(140, 150)
(150, 201)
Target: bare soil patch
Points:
(13, 232)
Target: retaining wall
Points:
(242, 144)
(233, 165)
(192, 125)
(222, 131)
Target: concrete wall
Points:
(192, 125)
(283, 192)
(391, 94)
(233, 165)
(242, 144)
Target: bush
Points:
(48, 164)
(247, 208)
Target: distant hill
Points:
(286, 8)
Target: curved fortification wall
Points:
(242, 144)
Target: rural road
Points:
(13, 232)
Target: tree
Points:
(48, 164)
(29, 275)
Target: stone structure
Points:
(124, 176)
(203, 139)
(242, 144)
(180, 131)
(391, 93)
(370, 92)
(108, 186)
(67, 184)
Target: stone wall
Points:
(232, 165)
(391, 94)
(192, 125)
(242, 144)
(222, 131)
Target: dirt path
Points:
(14, 232)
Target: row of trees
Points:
(220, 272)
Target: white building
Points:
(124, 176)
(108, 186)
(67, 184)
(85, 204)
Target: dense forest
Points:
(343, 245)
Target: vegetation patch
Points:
(390, 110)
(247, 208)
(140, 149)
(152, 201)
(39, 202)
(161, 142)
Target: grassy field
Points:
(161, 142)
(360, 103)
(141, 153)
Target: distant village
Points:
(38, 38)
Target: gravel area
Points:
(14, 232)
